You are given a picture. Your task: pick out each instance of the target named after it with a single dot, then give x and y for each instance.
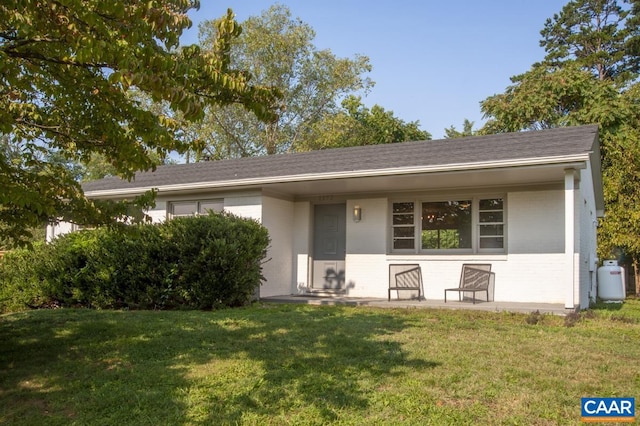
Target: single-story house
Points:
(527, 203)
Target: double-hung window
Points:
(491, 223)
(404, 226)
(460, 225)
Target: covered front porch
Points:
(543, 308)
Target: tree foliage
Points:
(467, 130)
(546, 97)
(621, 174)
(203, 262)
(595, 35)
(584, 82)
(356, 125)
(66, 70)
(633, 26)
(278, 50)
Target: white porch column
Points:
(569, 236)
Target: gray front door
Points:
(329, 246)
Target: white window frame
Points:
(198, 204)
(475, 225)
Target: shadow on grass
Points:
(606, 306)
(197, 367)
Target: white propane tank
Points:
(611, 286)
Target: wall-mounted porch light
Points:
(357, 213)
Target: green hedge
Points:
(202, 262)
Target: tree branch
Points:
(40, 57)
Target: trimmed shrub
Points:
(199, 262)
(218, 259)
(107, 268)
(21, 283)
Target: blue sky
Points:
(433, 61)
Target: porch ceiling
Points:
(452, 180)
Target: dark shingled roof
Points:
(560, 142)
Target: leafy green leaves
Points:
(594, 35)
(67, 71)
(200, 262)
(278, 51)
(589, 76)
(357, 125)
(546, 97)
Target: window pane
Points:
(491, 230)
(403, 231)
(403, 244)
(491, 217)
(403, 208)
(184, 209)
(213, 205)
(403, 219)
(446, 225)
(492, 242)
(492, 211)
(492, 204)
(441, 239)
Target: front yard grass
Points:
(298, 364)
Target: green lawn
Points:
(298, 364)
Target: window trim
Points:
(419, 229)
(502, 223)
(198, 204)
(403, 226)
(475, 224)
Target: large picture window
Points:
(459, 225)
(446, 225)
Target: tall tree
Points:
(621, 174)
(578, 84)
(278, 50)
(66, 69)
(547, 97)
(594, 34)
(633, 27)
(356, 125)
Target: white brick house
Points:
(527, 203)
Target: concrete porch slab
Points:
(543, 308)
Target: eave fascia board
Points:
(575, 161)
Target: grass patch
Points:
(296, 364)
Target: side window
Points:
(184, 208)
(403, 224)
(190, 208)
(210, 205)
(491, 223)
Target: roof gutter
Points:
(575, 161)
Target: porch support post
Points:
(569, 236)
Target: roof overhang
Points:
(450, 176)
